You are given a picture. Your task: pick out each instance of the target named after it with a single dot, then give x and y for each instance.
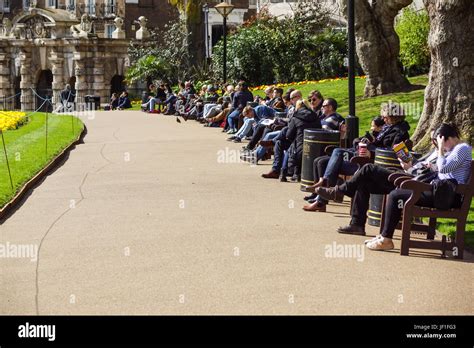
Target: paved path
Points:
(144, 219)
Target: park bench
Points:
(412, 211)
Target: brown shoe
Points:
(330, 193)
(316, 206)
(271, 175)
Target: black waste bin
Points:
(314, 143)
(388, 159)
(92, 102)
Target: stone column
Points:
(6, 90)
(27, 97)
(57, 61)
(81, 79)
(98, 86)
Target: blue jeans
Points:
(261, 151)
(153, 102)
(339, 163)
(207, 109)
(280, 151)
(263, 111)
(246, 127)
(233, 119)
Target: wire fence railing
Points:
(29, 145)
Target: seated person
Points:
(211, 110)
(220, 117)
(453, 162)
(124, 101)
(211, 95)
(113, 103)
(303, 118)
(262, 129)
(320, 163)
(238, 103)
(170, 102)
(316, 100)
(150, 95)
(395, 131)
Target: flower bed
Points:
(11, 119)
(283, 85)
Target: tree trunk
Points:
(378, 45)
(449, 94)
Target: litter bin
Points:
(388, 159)
(314, 143)
(92, 102)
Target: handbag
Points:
(444, 193)
(426, 175)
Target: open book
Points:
(401, 150)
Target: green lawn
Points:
(26, 149)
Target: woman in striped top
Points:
(453, 162)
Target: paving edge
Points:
(53, 164)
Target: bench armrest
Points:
(394, 176)
(417, 187)
(359, 160)
(329, 149)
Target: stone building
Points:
(46, 44)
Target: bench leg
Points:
(432, 231)
(459, 242)
(406, 229)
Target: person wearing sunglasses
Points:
(393, 132)
(316, 100)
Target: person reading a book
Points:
(450, 161)
(393, 132)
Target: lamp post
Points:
(224, 9)
(205, 9)
(352, 120)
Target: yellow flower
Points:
(11, 119)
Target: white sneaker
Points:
(373, 239)
(230, 131)
(381, 244)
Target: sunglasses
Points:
(324, 105)
(314, 100)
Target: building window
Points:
(52, 3)
(109, 29)
(252, 3)
(5, 6)
(110, 7)
(90, 7)
(71, 5)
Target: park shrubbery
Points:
(412, 28)
(297, 48)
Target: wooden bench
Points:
(411, 211)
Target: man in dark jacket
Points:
(239, 102)
(303, 118)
